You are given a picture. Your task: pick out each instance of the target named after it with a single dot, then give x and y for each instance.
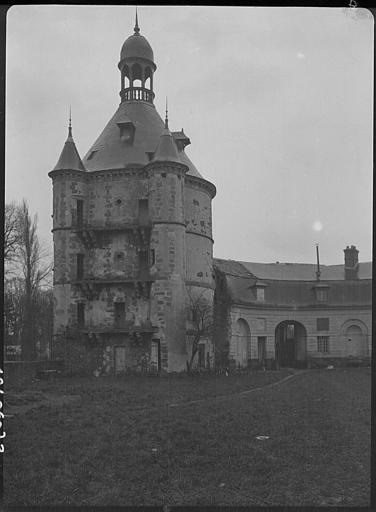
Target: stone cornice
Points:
(189, 232)
(138, 172)
(201, 183)
(199, 284)
(312, 308)
(173, 167)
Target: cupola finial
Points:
(70, 122)
(136, 27)
(166, 118)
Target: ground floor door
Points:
(155, 355)
(261, 346)
(201, 355)
(355, 342)
(290, 344)
(120, 360)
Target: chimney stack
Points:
(351, 262)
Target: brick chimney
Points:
(351, 262)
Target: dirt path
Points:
(240, 393)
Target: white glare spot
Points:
(300, 55)
(317, 226)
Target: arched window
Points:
(148, 75)
(136, 73)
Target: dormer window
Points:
(92, 154)
(259, 288)
(127, 130)
(181, 140)
(321, 293)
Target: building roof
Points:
(232, 267)
(69, 158)
(303, 271)
(299, 293)
(293, 284)
(110, 151)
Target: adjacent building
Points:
(292, 314)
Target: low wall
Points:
(22, 372)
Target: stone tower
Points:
(132, 230)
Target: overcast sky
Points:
(277, 102)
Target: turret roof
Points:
(69, 158)
(166, 150)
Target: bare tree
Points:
(201, 312)
(35, 271)
(11, 232)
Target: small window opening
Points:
(119, 260)
(260, 294)
(80, 314)
(80, 212)
(322, 324)
(119, 313)
(92, 154)
(143, 211)
(80, 266)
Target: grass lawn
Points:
(121, 443)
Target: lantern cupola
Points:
(137, 67)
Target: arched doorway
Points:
(239, 343)
(355, 341)
(290, 344)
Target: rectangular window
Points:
(152, 256)
(143, 211)
(119, 260)
(201, 355)
(81, 314)
(322, 324)
(80, 266)
(144, 263)
(155, 356)
(260, 294)
(80, 212)
(322, 295)
(119, 313)
(323, 344)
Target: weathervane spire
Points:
(70, 122)
(136, 27)
(166, 118)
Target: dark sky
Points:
(277, 102)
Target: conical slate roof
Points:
(112, 151)
(166, 150)
(69, 158)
